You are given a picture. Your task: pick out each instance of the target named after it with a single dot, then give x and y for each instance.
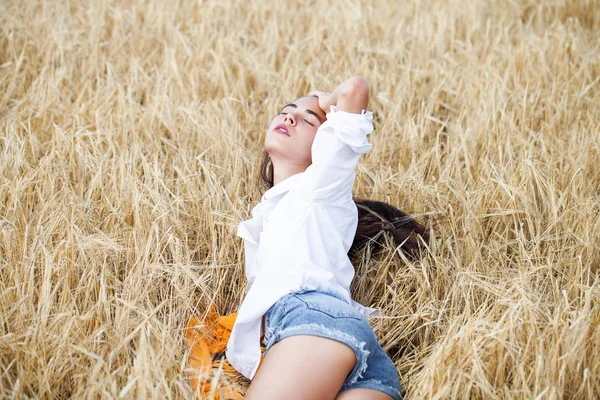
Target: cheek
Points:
(308, 139)
(276, 121)
(313, 134)
(272, 125)
(312, 138)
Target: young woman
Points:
(319, 344)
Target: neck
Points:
(283, 170)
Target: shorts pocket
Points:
(329, 305)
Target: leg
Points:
(363, 394)
(302, 367)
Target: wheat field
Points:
(131, 135)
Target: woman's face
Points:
(291, 134)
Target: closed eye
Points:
(305, 120)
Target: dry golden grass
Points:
(130, 137)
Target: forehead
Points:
(310, 102)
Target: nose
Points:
(289, 118)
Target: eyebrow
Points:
(307, 110)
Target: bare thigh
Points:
(363, 394)
(303, 367)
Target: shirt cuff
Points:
(352, 128)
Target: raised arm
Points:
(340, 141)
(351, 96)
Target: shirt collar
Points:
(282, 187)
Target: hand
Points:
(325, 99)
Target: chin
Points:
(275, 151)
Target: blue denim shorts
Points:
(320, 313)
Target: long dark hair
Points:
(374, 218)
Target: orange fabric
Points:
(206, 338)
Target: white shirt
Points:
(300, 233)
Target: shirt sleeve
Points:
(338, 145)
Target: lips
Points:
(281, 128)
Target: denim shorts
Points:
(325, 314)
